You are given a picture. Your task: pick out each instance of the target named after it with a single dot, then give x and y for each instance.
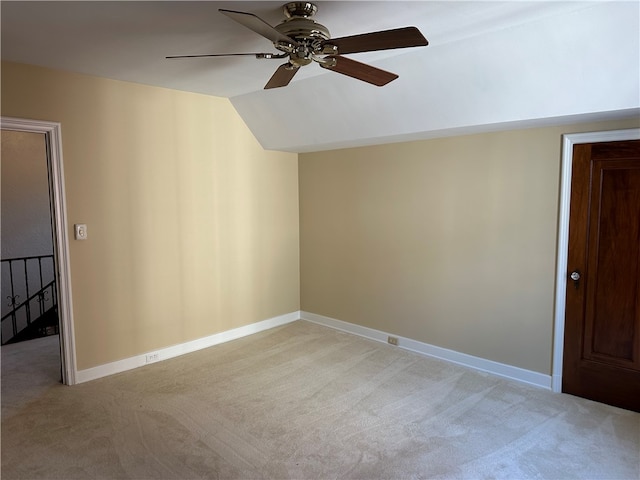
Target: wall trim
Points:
(183, 348)
(506, 371)
(568, 141)
(53, 138)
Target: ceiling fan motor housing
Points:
(307, 32)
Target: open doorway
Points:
(29, 303)
(48, 266)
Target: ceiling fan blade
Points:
(257, 55)
(383, 40)
(282, 76)
(255, 23)
(359, 70)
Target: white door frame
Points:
(568, 141)
(53, 139)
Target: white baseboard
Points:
(183, 348)
(477, 363)
(507, 371)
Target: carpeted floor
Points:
(305, 402)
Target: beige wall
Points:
(451, 241)
(193, 227)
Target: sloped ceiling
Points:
(489, 65)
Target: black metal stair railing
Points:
(30, 313)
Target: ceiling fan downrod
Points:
(299, 9)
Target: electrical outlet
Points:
(153, 357)
(392, 340)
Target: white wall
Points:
(26, 216)
(577, 66)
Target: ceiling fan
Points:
(303, 40)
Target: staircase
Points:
(31, 309)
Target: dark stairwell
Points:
(29, 292)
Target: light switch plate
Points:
(80, 231)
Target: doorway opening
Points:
(29, 303)
(61, 279)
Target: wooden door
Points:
(602, 323)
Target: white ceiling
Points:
(489, 64)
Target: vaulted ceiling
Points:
(490, 65)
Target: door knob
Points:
(575, 276)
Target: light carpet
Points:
(304, 401)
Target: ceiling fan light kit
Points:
(303, 40)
